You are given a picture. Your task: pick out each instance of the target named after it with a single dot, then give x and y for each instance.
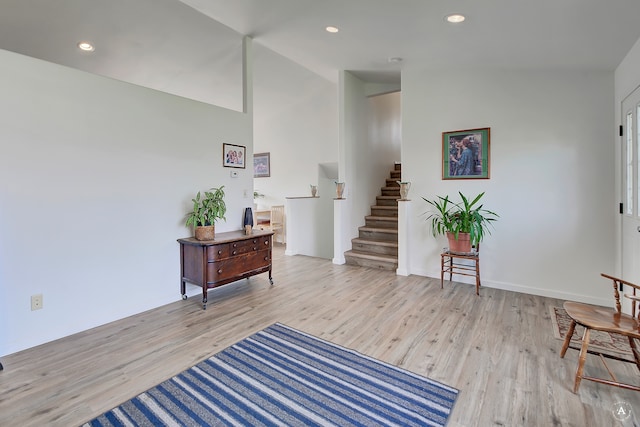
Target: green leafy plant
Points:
(466, 216)
(208, 209)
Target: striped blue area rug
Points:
(283, 377)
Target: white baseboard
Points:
(550, 293)
(402, 272)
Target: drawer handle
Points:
(235, 245)
(220, 271)
(266, 242)
(234, 252)
(220, 252)
(266, 258)
(255, 248)
(255, 241)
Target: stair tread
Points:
(381, 218)
(394, 208)
(378, 229)
(381, 257)
(374, 242)
(388, 197)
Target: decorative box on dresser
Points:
(229, 257)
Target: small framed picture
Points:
(233, 156)
(465, 154)
(261, 165)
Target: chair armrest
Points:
(633, 297)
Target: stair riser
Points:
(374, 235)
(388, 192)
(386, 202)
(396, 175)
(392, 183)
(375, 249)
(393, 225)
(371, 263)
(384, 212)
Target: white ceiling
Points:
(497, 33)
(167, 45)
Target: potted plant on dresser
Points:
(206, 210)
(465, 223)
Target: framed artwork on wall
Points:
(261, 165)
(465, 154)
(233, 156)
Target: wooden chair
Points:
(449, 264)
(609, 320)
(277, 223)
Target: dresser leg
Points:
(183, 289)
(204, 300)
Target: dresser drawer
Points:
(258, 260)
(249, 245)
(237, 266)
(217, 252)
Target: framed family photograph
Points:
(233, 156)
(465, 154)
(261, 165)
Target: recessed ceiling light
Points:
(395, 59)
(455, 18)
(331, 29)
(86, 46)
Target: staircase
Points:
(377, 244)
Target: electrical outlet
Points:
(36, 302)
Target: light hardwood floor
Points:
(498, 348)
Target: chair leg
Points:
(441, 271)
(478, 276)
(582, 359)
(567, 339)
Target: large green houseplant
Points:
(465, 223)
(206, 210)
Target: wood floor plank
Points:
(498, 348)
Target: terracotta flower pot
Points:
(206, 232)
(461, 244)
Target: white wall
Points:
(296, 120)
(309, 225)
(96, 177)
(552, 173)
(384, 134)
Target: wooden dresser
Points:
(229, 257)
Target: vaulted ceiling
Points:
(174, 45)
